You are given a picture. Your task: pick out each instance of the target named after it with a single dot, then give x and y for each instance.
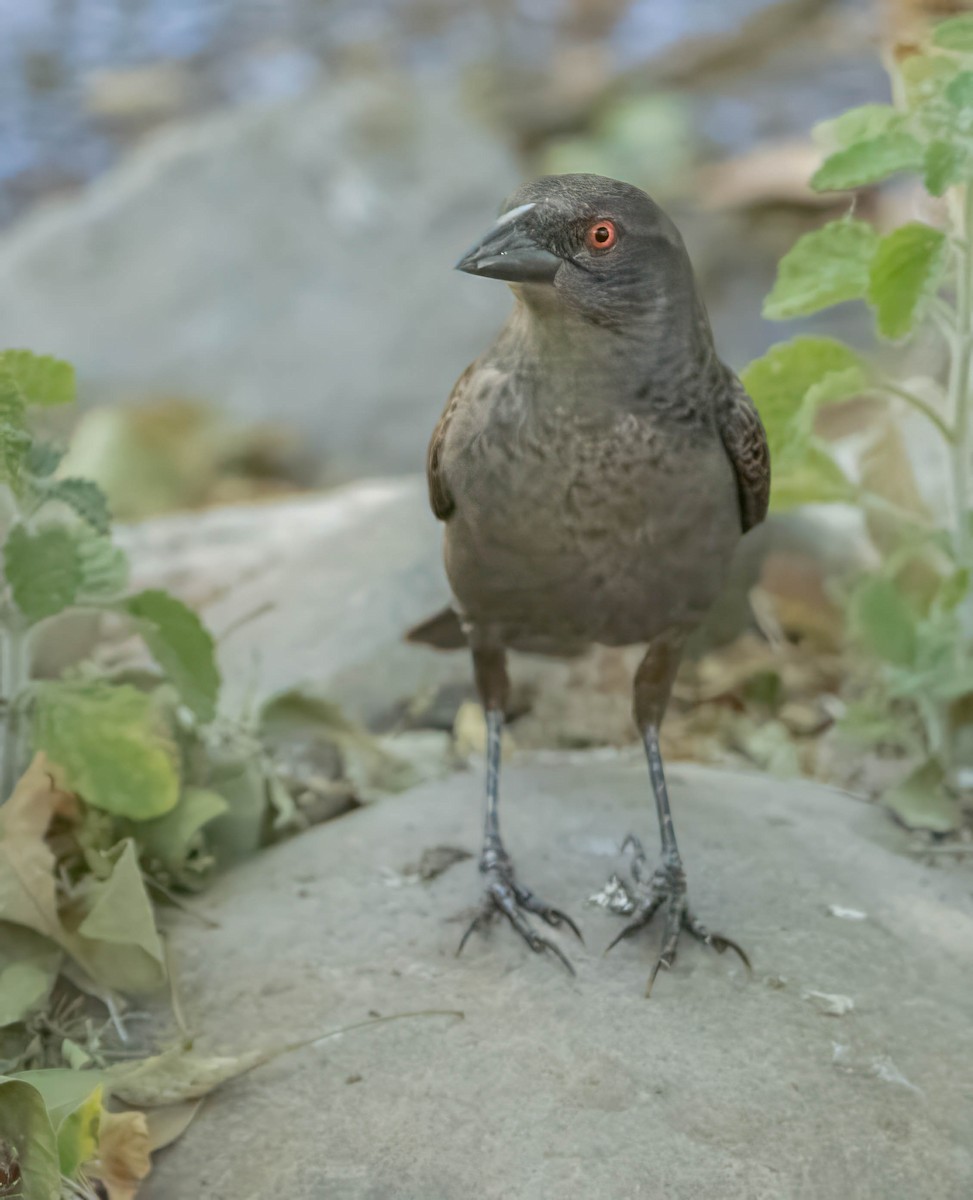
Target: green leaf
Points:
(825, 267)
(907, 269)
(868, 162)
(27, 1140)
(43, 570)
(182, 647)
(955, 34)
(104, 567)
(883, 620)
(73, 1102)
(14, 439)
(171, 840)
(39, 379)
(128, 954)
(85, 497)
(856, 125)
(111, 743)
(42, 459)
(812, 477)
(794, 378)
(946, 164)
(925, 77)
(959, 91)
(28, 967)
(921, 801)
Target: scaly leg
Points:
(504, 894)
(665, 887)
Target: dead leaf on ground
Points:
(123, 1159)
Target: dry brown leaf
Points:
(123, 1154)
(27, 887)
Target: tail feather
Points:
(442, 631)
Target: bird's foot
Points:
(507, 897)
(665, 888)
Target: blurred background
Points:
(233, 213)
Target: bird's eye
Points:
(602, 235)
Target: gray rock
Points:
(314, 592)
(582, 1089)
(290, 263)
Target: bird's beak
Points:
(509, 252)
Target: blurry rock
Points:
(130, 98)
(289, 263)
(306, 594)
(774, 173)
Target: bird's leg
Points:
(664, 887)
(504, 893)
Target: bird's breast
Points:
(607, 523)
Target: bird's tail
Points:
(442, 631)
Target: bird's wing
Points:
(443, 504)
(743, 436)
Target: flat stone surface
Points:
(718, 1086)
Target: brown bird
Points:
(595, 469)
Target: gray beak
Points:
(509, 252)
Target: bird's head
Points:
(586, 245)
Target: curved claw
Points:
(555, 918)
(543, 944)
(471, 928)
(643, 917)
(721, 944)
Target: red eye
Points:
(601, 236)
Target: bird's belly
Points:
(568, 557)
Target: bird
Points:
(594, 470)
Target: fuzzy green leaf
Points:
(856, 125)
(14, 439)
(27, 1128)
(42, 459)
(85, 497)
(946, 164)
(788, 384)
(174, 839)
(868, 162)
(921, 801)
(182, 647)
(955, 34)
(810, 476)
(825, 267)
(959, 91)
(104, 567)
(884, 622)
(906, 270)
(112, 745)
(780, 381)
(39, 379)
(43, 570)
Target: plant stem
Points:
(959, 380)
(919, 405)
(14, 677)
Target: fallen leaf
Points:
(27, 888)
(167, 1124)
(920, 801)
(123, 1157)
(117, 941)
(28, 967)
(179, 1075)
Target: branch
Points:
(920, 405)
